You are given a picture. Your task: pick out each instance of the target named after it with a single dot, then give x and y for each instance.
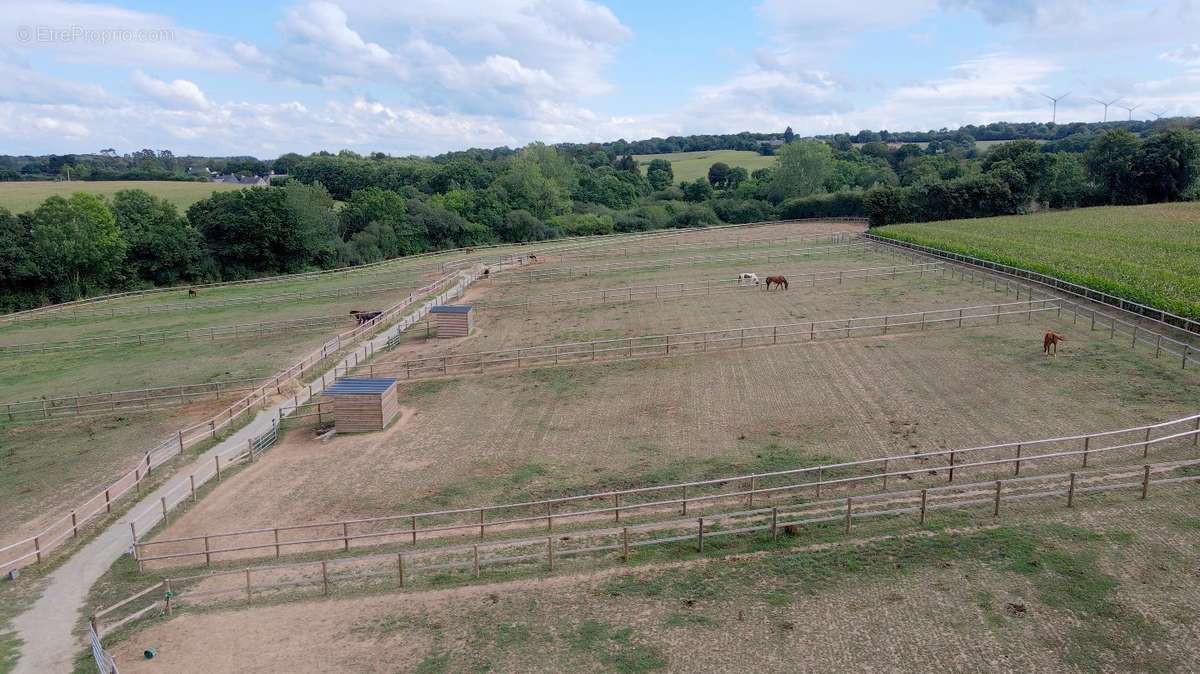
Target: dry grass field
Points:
(1103, 589)
(555, 431)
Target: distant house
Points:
(247, 181)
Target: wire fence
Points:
(1159, 315)
(35, 549)
(680, 343)
(501, 520)
(87, 404)
(679, 289)
(192, 305)
(237, 331)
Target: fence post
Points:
(774, 524)
(849, 505)
(1196, 435)
(400, 568)
(207, 554)
(700, 535)
(345, 536)
(277, 543)
(192, 480)
(163, 500)
(685, 499)
(1071, 491)
(996, 506)
(325, 579)
(217, 458)
(107, 502)
(414, 529)
(951, 466)
(1145, 481)
(625, 544)
(924, 496)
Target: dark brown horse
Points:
(780, 281)
(192, 292)
(364, 316)
(1051, 340)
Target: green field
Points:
(26, 196)
(1148, 254)
(692, 165)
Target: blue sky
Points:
(422, 76)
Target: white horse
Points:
(746, 278)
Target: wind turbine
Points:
(1130, 109)
(1106, 105)
(1158, 115)
(1054, 110)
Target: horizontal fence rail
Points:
(553, 273)
(1165, 317)
(83, 404)
(193, 305)
(624, 348)
(35, 549)
(618, 541)
(808, 481)
(237, 331)
(709, 286)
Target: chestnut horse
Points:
(1051, 339)
(780, 281)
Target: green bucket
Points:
(149, 653)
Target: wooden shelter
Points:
(362, 405)
(454, 320)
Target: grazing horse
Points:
(532, 257)
(487, 271)
(192, 292)
(747, 278)
(364, 316)
(777, 280)
(1051, 339)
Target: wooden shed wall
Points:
(455, 325)
(365, 413)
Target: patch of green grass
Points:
(28, 195)
(417, 391)
(615, 647)
(1088, 246)
(434, 663)
(692, 165)
(679, 619)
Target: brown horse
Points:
(780, 281)
(364, 316)
(192, 292)
(1051, 339)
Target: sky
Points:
(225, 77)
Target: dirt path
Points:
(46, 629)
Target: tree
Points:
(365, 206)
(801, 170)
(314, 235)
(1110, 163)
(163, 247)
(696, 191)
(20, 275)
(257, 231)
(788, 135)
(1166, 165)
(79, 244)
(717, 174)
(660, 174)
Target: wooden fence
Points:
(84, 404)
(555, 273)
(709, 286)
(349, 291)
(680, 343)
(505, 519)
(35, 549)
(1159, 315)
(237, 331)
(617, 542)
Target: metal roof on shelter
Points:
(359, 387)
(451, 309)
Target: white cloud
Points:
(174, 94)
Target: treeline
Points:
(346, 209)
(1117, 168)
(144, 164)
